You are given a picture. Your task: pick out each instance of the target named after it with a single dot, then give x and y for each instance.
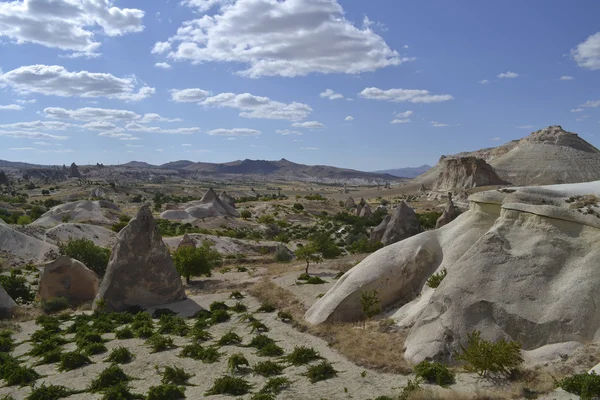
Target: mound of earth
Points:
(99, 235)
(521, 264)
(99, 212)
(210, 206)
(19, 248)
(548, 156)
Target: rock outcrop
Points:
(378, 232)
(19, 248)
(521, 264)
(227, 199)
(187, 241)
(66, 277)
(99, 235)
(101, 212)
(140, 271)
(465, 173)
(74, 171)
(4, 179)
(450, 213)
(7, 305)
(366, 212)
(403, 224)
(210, 206)
(358, 210)
(350, 204)
(98, 193)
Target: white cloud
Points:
(575, 110)
(508, 75)
(38, 125)
(66, 24)
(42, 143)
(403, 95)
(189, 95)
(134, 145)
(155, 129)
(153, 117)
(436, 124)
(587, 53)
(404, 114)
(525, 127)
(349, 118)
(204, 5)
(120, 136)
(81, 54)
(484, 81)
(309, 148)
(331, 95)
(102, 126)
(30, 135)
(234, 132)
(566, 78)
(90, 114)
(284, 38)
(287, 132)
(495, 139)
(259, 107)
(23, 101)
(160, 150)
(595, 103)
(55, 80)
(186, 145)
(308, 125)
(11, 107)
(400, 121)
(22, 148)
(163, 65)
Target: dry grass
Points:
(369, 348)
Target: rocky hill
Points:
(408, 172)
(465, 173)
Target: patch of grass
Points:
(229, 339)
(7, 344)
(434, 372)
(111, 376)
(208, 355)
(230, 385)
(172, 324)
(73, 360)
(260, 341)
(166, 392)
(268, 368)
(120, 392)
(320, 372)
(435, 279)
(258, 326)
(587, 386)
(315, 280)
(285, 316)
(270, 350)
(45, 346)
(218, 305)
(51, 357)
(124, 333)
(266, 308)
(20, 375)
(51, 392)
(236, 295)
(237, 363)
(55, 305)
(302, 355)
(175, 376)
(219, 316)
(159, 343)
(120, 355)
(239, 307)
(87, 338)
(247, 317)
(199, 335)
(48, 323)
(93, 348)
(144, 332)
(202, 315)
(276, 385)
(7, 364)
(303, 277)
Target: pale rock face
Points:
(97, 212)
(140, 271)
(66, 277)
(98, 192)
(186, 241)
(358, 210)
(450, 213)
(7, 305)
(350, 204)
(210, 206)
(227, 199)
(21, 248)
(403, 224)
(378, 232)
(465, 173)
(74, 171)
(366, 212)
(522, 265)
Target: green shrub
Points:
(233, 386)
(485, 357)
(24, 220)
(207, 355)
(159, 312)
(17, 288)
(124, 333)
(171, 324)
(218, 305)
(199, 335)
(166, 392)
(314, 280)
(237, 362)
(120, 355)
(19, 375)
(270, 350)
(276, 385)
(434, 372)
(87, 337)
(428, 219)
(219, 316)
(46, 345)
(320, 372)
(369, 302)
(410, 388)
(282, 254)
(144, 331)
(285, 316)
(236, 295)
(260, 341)
(73, 360)
(120, 392)
(195, 261)
(56, 304)
(364, 245)
(302, 355)
(123, 221)
(7, 344)
(111, 376)
(268, 368)
(239, 307)
(435, 279)
(51, 392)
(175, 376)
(266, 308)
(245, 214)
(303, 277)
(258, 326)
(51, 357)
(230, 338)
(84, 250)
(7, 364)
(159, 343)
(587, 386)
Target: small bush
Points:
(120, 355)
(302, 355)
(230, 338)
(166, 392)
(369, 301)
(435, 279)
(320, 372)
(199, 334)
(56, 304)
(19, 375)
(111, 376)
(51, 392)
(171, 324)
(218, 305)
(276, 385)
(485, 357)
(239, 307)
(270, 350)
(434, 372)
(236, 295)
(46, 346)
(303, 277)
(159, 343)
(245, 214)
(85, 338)
(260, 341)
(7, 344)
(120, 392)
(94, 348)
(410, 388)
(587, 386)
(125, 333)
(144, 332)
(219, 316)
(282, 254)
(17, 288)
(175, 376)
(159, 312)
(266, 308)
(73, 360)
(207, 355)
(84, 250)
(230, 385)
(237, 363)
(268, 368)
(51, 357)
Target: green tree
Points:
(24, 220)
(369, 302)
(324, 244)
(84, 250)
(309, 253)
(246, 214)
(192, 261)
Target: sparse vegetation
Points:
(124, 333)
(435, 279)
(302, 355)
(484, 357)
(434, 372)
(20, 375)
(17, 288)
(270, 350)
(159, 343)
(84, 250)
(207, 355)
(230, 385)
(73, 360)
(586, 386)
(236, 295)
(120, 355)
(239, 307)
(166, 392)
(175, 376)
(237, 363)
(369, 302)
(111, 376)
(196, 261)
(50, 392)
(230, 338)
(266, 308)
(268, 368)
(320, 372)
(219, 316)
(55, 305)
(276, 385)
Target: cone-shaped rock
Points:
(209, 196)
(403, 224)
(66, 277)
(140, 270)
(227, 199)
(378, 232)
(366, 212)
(74, 171)
(187, 241)
(450, 213)
(3, 178)
(7, 305)
(350, 204)
(362, 201)
(358, 210)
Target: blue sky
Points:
(313, 81)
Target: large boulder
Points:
(101, 212)
(140, 271)
(66, 277)
(403, 224)
(450, 213)
(209, 206)
(521, 265)
(465, 173)
(350, 204)
(7, 304)
(19, 248)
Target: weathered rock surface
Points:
(403, 224)
(366, 212)
(7, 305)
(210, 206)
(450, 213)
(227, 199)
(358, 210)
(187, 241)
(350, 204)
(3, 178)
(19, 248)
(99, 235)
(522, 265)
(74, 171)
(66, 277)
(140, 271)
(101, 212)
(465, 173)
(378, 232)
(98, 192)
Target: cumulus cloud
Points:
(66, 24)
(204, 5)
(404, 114)
(120, 136)
(349, 118)
(280, 38)
(234, 132)
(153, 117)
(508, 75)
(331, 95)
(259, 107)
(308, 125)
(484, 81)
(587, 53)
(400, 121)
(287, 132)
(194, 95)
(55, 80)
(24, 101)
(155, 129)
(525, 127)
(102, 126)
(11, 107)
(38, 125)
(436, 124)
(90, 114)
(30, 135)
(590, 103)
(163, 65)
(404, 95)
(566, 78)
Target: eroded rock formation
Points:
(450, 213)
(403, 224)
(465, 173)
(66, 277)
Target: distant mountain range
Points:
(409, 172)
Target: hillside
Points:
(408, 172)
